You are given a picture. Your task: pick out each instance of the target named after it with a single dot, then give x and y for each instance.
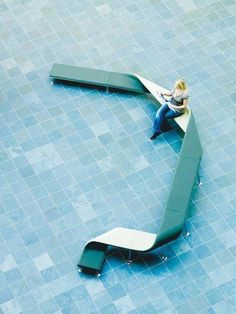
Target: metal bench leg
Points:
(52, 82)
(163, 256)
(199, 182)
(98, 274)
(107, 90)
(129, 261)
(186, 232)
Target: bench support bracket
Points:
(129, 261)
(163, 256)
(199, 182)
(186, 232)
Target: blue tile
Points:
(21, 256)
(196, 271)
(13, 275)
(50, 274)
(64, 300)
(116, 292)
(109, 309)
(29, 121)
(30, 238)
(60, 143)
(5, 295)
(27, 302)
(49, 306)
(71, 309)
(26, 171)
(19, 288)
(214, 296)
(202, 251)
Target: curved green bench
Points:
(94, 252)
(95, 77)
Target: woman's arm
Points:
(184, 106)
(168, 93)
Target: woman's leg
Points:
(172, 114)
(165, 126)
(160, 117)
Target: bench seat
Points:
(115, 80)
(94, 252)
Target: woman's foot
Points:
(155, 135)
(167, 128)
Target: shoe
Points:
(167, 128)
(155, 135)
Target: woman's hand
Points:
(168, 93)
(173, 107)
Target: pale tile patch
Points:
(83, 208)
(94, 287)
(140, 163)
(187, 6)
(44, 158)
(124, 304)
(99, 128)
(7, 262)
(11, 307)
(42, 293)
(9, 63)
(43, 262)
(26, 67)
(104, 9)
(137, 114)
(106, 164)
(15, 151)
(219, 277)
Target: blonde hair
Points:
(181, 84)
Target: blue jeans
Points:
(162, 115)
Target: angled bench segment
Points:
(79, 74)
(191, 146)
(127, 238)
(178, 200)
(182, 120)
(171, 226)
(125, 81)
(93, 255)
(115, 80)
(184, 179)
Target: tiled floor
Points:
(76, 162)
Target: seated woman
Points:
(173, 108)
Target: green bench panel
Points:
(182, 186)
(191, 146)
(123, 81)
(190, 155)
(171, 226)
(183, 183)
(93, 256)
(79, 74)
(126, 82)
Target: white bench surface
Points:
(128, 239)
(153, 88)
